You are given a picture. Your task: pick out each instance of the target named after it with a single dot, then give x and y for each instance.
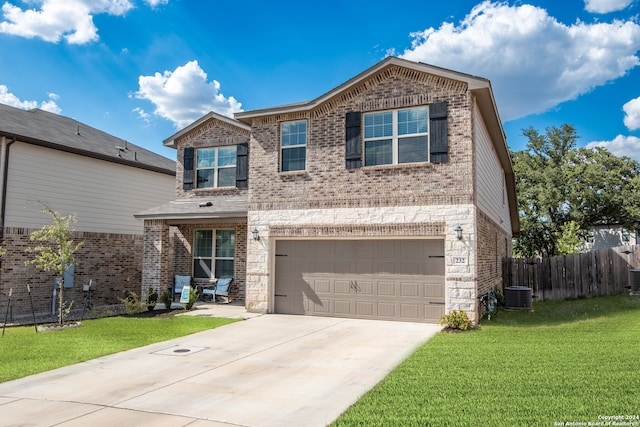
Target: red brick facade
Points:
(183, 237)
(113, 261)
(327, 183)
(212, 133)
(493, 245)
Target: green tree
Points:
(564, 190)
(569, 241)
(601, 188)
(55, 249)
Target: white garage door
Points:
(372, 279)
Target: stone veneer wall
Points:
(183, 255)
(113, 261)
(402, 222)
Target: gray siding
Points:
(491, 187)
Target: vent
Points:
(518, 297)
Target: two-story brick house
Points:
(390, 197)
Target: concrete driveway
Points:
(270, 370)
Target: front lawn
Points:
(566, 362)
(23, 352)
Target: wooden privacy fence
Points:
(603, 272)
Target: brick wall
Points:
(168, 249)
(183, 258)
(113, 261)
(493, 244)
(156, 266)
(327, 182)
(212, 133)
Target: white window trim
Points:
(394, 137)
(282, 148)
(215, 167)
(213, 256)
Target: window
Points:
(216, 167)
(398, 136)
(293, 146)
(214, 258)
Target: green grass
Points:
(568, 361)
(24, 352)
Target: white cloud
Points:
(605, 6)
(57, 19)
(156, 3)
(534, 61)
(146, 117)
(184, 95)
(620, 146)
(50, 106)
(632, 114)
(10, 99)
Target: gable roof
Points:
(474, 83)
(58, 132)
(171, 141)
(479, 86)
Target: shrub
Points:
(457, 319)
(132, 303)
(193, 297)
(152, 299)
(167, 298)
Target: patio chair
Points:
(221, 289)
(179, 282)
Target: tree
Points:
(564, 190)
(602, 188)
(569, 241)
(55, 249)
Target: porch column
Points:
(155, 256)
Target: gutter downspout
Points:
(4, 176)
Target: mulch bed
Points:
(78, 315)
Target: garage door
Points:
(371, 279)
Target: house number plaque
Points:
(459, 260)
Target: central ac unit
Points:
(518, 297)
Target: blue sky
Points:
(141, 70)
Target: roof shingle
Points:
(63, 133)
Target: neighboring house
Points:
(610, 236)
(389, 197)
(49, 159)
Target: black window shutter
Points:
(438, 140)
(242, 165)
(353, 147)
(187, 165)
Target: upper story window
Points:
(397, 136)
(216, 167)
(293, 146)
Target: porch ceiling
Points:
(201, 208)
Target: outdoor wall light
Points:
(458, 230)
(255, 232)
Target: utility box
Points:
(634, 281)
(518, 297)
